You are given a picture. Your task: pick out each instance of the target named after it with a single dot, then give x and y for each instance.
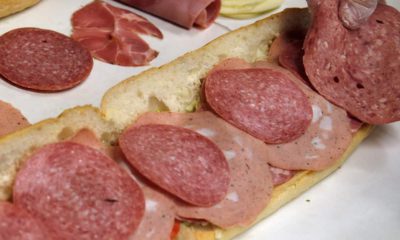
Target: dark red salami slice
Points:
(356, 69)
(262, 102)
(178, 160)
(43, 60)
(18, 224)
(79, 192)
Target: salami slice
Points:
(356, 69)
(262, 102)
(18, 224)
(178, 160)
(43, 60)
(250, 187)
(79, 193)
(11, 119)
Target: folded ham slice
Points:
(188, 14)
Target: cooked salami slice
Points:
(356, 69)
(18, 224)
(43, 60)
(250, 187)
(178, 160)
(11, 119)
(79, 192)
(262, 102)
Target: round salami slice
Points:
(43, 60)
(262, 102)
(356, 69)
(178, 160)
(79, 192)
(18, 224)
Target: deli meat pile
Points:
(258, 125)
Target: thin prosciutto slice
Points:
(111, 34)
(188, 13)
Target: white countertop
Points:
(359, 201)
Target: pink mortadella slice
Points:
(11, 119)
(188, 13)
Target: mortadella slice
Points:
(251, 183)
(11, 119)
(356, 69)
(79, 193)
(179, 161)
(188, 13)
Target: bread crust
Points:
(8, 7)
